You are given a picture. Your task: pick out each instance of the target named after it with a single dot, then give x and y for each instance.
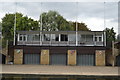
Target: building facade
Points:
(82, 48)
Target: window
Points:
(24, 37)
(98, 38)
(36, 37)
(53, 37)
(20, 38)
(83, 38)
(64, 37)
(30, 37)
(95, 38)
(46, 37)
(72, 37)
(89, 38)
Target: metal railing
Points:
(60, 43)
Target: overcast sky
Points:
(91, 13)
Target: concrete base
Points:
(60, 70)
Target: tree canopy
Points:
(0, 26)
(80, 26)
(53, 21)
(110, 36)
(22, 23)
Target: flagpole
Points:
(76, 26)
(15, 24)
(41, 26)
(104, 26)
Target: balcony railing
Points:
(60, 43)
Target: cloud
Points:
(59, 0)
(92, 13)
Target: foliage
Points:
(110, 36)
(53, 21)
(0, 26)
(22, 23)
(81, 26)
(118, 37)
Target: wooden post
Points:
(113, 54)
(7, 56)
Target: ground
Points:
(60, 70)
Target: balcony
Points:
(57, 43)
(60, 38)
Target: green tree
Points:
(22, 23)
(81, 26)
(110, 36)
(0, 26)
(53, 21)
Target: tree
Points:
(0, 26)
(22, 23)
(118, 37)
(81, 26)
(110, 36)
(53, 21)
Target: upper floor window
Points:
(64, 37)
(86, 38)
(22, 37)
(98, 38)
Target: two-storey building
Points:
(82, 48)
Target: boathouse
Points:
(80, 48)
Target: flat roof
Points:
(58, 32)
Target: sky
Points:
(97, 15)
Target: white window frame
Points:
(20, 35)
(98, 38)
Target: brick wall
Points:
(71, 57)
(100, 57)
(44, 57)
(18, 56)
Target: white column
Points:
(59, 37)
(41, 26)
(41, 39)
(50, 39)
(104, 38)
(68, 39)
(18, 37)
(76, 38)
(77, 26)
(26, 37)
